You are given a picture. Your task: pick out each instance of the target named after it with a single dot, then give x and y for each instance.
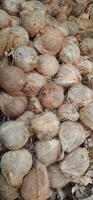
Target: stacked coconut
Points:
(46, 94)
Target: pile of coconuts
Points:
(46, 97)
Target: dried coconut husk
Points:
(12, 6)
(15, 165)
(68, 75)
(13, 106)
(45, 125)
(4, 36)
(70, 52)
(7, 192)
(56, 177)
(36, 183)
(53, 7)
(48, 65)
(52, 95)
(86, 115)
(48, 152)
(71, 135)
(34, 82)
(12, 79)
(53, 22)
(26, 58)
(14, 134)
(51, 41)
(68, 111)
(85, 66)
(34, 105)
(80, 95)
(5, 19)
(75, 164)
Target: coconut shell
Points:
(5, 19)
(51, 41)
(12, 79)
(33, 22)
(52, 95)
(68, 111)
(80, 95)
(36, 183)
(70, 53)
(48, 152)
(34, 82)
(56, 177)
(13, 106)
(48, 65)
(45, 125)
(14, 134)
(12, 6)
(68, 75)
(71, 135)
(15, 165)
(86, 115)
(75, 164)
(7, 192)
(26, 58)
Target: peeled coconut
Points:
(12, 79)
(15, 165)
(70, 53)
(86, 115)
(56, 177)
(75, 164)
(14, 134)
(68, 75)
(68, 111)
(5, 19)
(48, 65)
(45, 125)
(26, 58)
(85, 66)
(13, 106)
(52, 95)
(71, 135)
(50, 41)
(7, 192)
(34, 82)
(48, 152)
(36, 183)
(80, 95)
